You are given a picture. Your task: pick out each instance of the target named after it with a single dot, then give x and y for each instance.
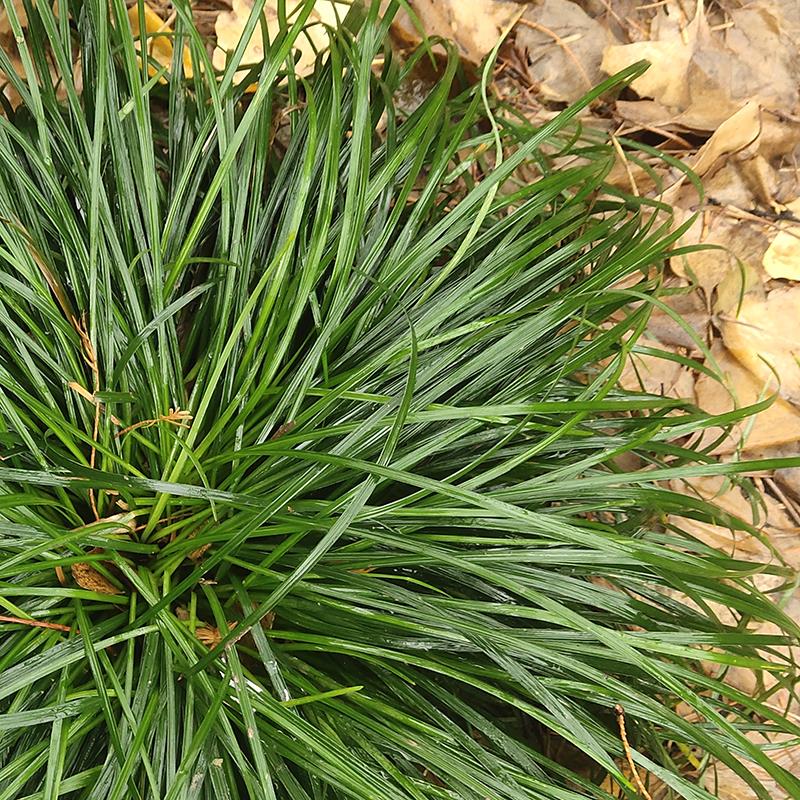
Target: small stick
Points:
(787, 503)
(618, 710)
(626, 164)
(640, 126)
(35, 623)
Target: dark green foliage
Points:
(400, 478)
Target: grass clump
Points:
(309, 474)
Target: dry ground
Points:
(722, 97)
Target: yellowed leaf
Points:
(738, 132)
(778, 425)
(735, 247)
(763, 338)
(474, 25)
(782, 259)
(669, 56)
(701, 75)
(159, 41)
(230, 26)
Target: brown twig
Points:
(627, 22)
(618, 710)
(788, 504)
(35, 623)
(626, 164)
(641, 126)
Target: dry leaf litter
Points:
(723, 97)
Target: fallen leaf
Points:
(626, 19)
(782, 259)
(763, 337)
(771, 519)
(87, 577)
(762, 181)
(565, 48)
(777, 425)
(159, 41)
(707, 266)
(727, 785)
(647, 113)
(777, 527)
(702, 76)
(733, 252)
(763, 54)
(736, 139)
(474, 25)
(693, 312)
(198, 553)
(726, 187)
(669, 52)
(5, 22)
(8, 44)
(209, 635)
(740, 131)
(735, 285)
(779, 135)
(230, 26)
(655, 374)
(747, 681)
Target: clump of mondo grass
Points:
(310, 482)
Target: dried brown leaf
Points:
(198, 553)
(726, 785)
(782, 259)
(209, 635)
(763, 338)
(87, 577)
(230, 26)
(5, 22)
(733, 245)
(736, 134)
(656, 375)
(706, 267)
(669, 52)
(702, 75)
(778, 425)
(694, 313)
(564, 46)
(474, 25)
(771, 520)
